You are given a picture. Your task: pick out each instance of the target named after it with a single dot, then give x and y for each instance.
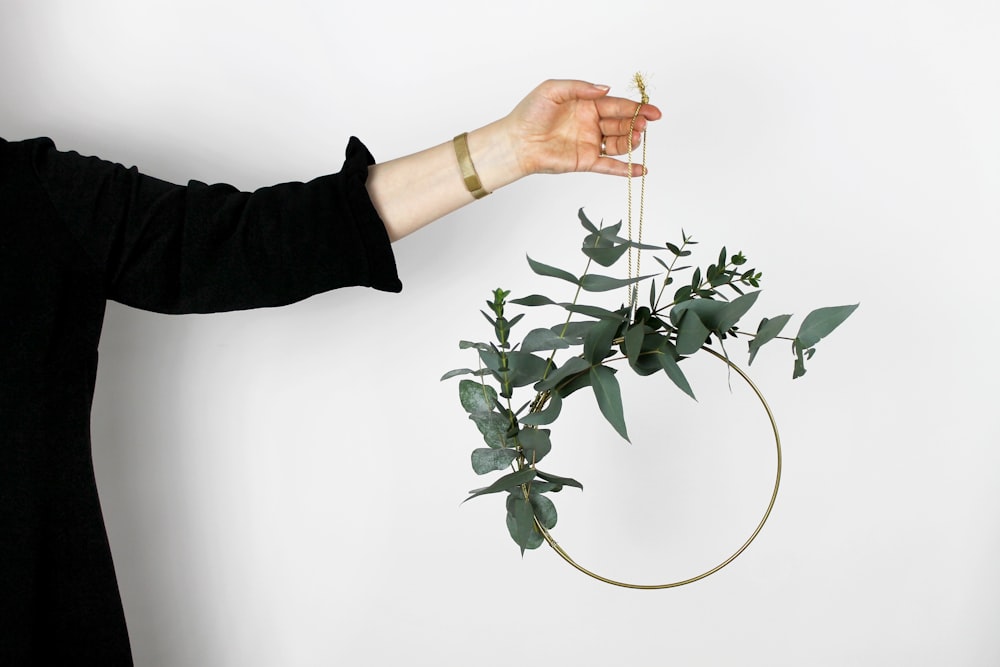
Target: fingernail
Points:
(601, 86)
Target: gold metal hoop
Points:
(774, 495)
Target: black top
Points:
(74, 232)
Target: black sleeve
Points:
(206, 248)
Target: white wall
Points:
(282, 487)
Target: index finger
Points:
(620, 107)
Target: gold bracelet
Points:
(472, 181)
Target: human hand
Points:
(560, 126)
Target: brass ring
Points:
(774, 494)
(604, 147)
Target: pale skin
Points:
(558, 128)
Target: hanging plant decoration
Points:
(686, 310)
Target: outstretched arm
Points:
(559, 127)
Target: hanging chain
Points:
(633, 290)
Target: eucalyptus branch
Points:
(646, 339)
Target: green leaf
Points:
(609, 398)
(572, 366)
(585, 221)
(524, 368)
(574, 384)
(634, 337)
(544, 487)
(535, 443)
(709, 312)
(593, 311)
(597, 343)
(674, 372)
(521, 522)
(691, 334)
(551, 271)
(560, 481)
(486, 460)
(573, 332)
(534, 300)
(609, 234)
(683, 294)
(492, 361)
(821, 322)
(636, 244)
(545, 416)
(734, 310)
(456, 372)
(493, 426)
(543, 339)
(544, 510)
(606, 256)
(595, 283)
(476, 397)
(766, 332)
(800, 364)
(464, 345)
(506, 483)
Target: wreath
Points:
(682, 317)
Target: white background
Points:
(282, 487)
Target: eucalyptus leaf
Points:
(493, 426)
(545, 416)
(508, 482)
(572, 366)
(585, 221)
(551, 271)
(800, 364)
(535, 443)
(485, 460)
(634, 337)
(767, 331)
(593, 311)
(543, 339)
(491, 359)
(544, 487)
(606, 256)
(595, 283)
(476, 397)
(524, 368)
(534, 300)
(821, 322)
(734, 310)
(674, 372)
(574, 384)
(457, 372)
(599, 339)
(521, 523)
(691, 334)
(544, 511)
(709, 312)
(573, 332)
(610, 233)
(609, 398)
(561, 481)
(636, 244)
(465, 344)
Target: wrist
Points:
(493, 153)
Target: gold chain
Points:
(633, 293)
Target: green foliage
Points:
(705, 306)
